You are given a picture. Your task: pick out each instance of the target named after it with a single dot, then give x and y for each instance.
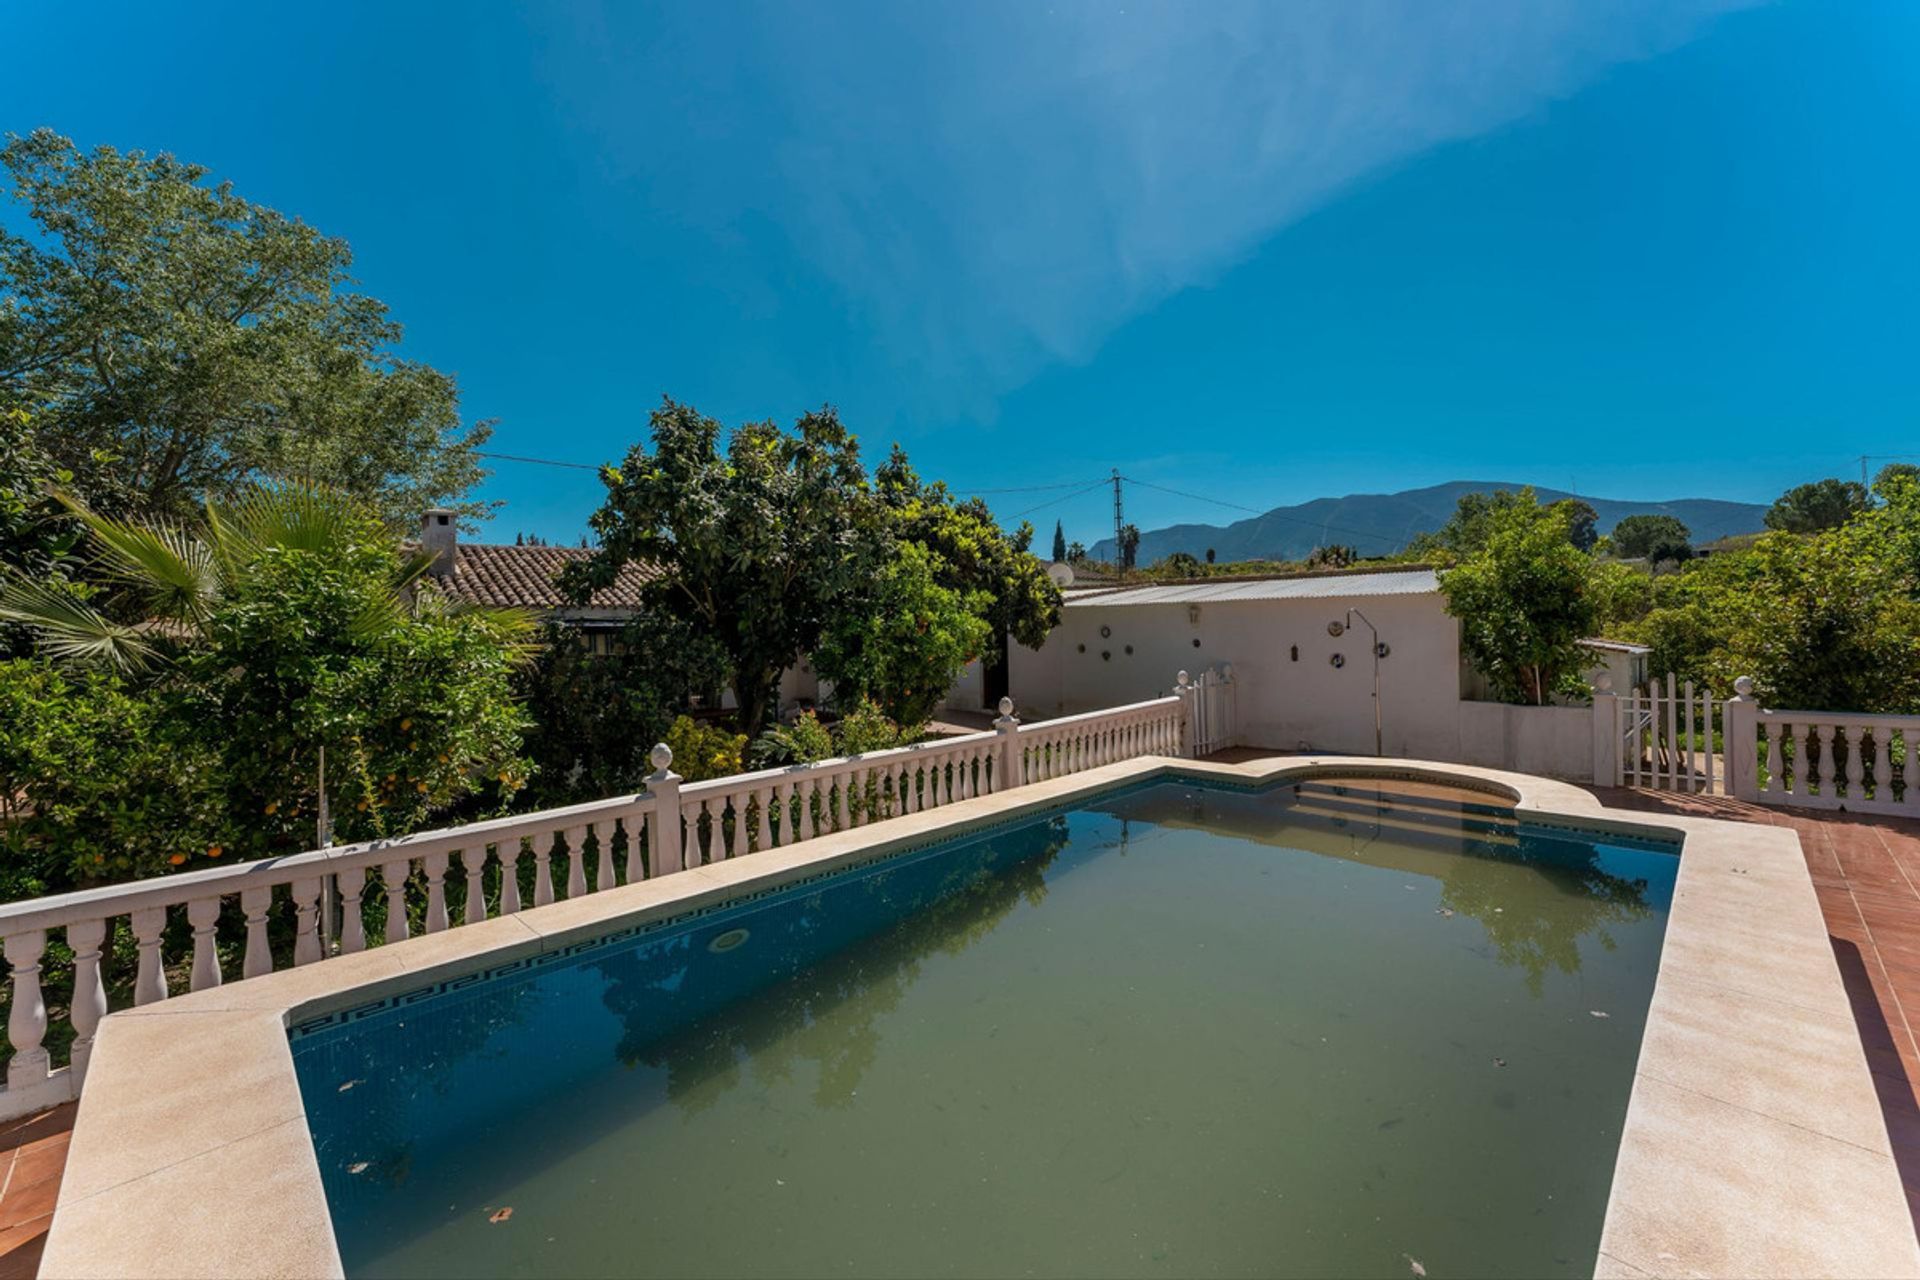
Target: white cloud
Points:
(996, 190)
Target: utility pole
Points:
(1119, 523)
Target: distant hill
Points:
(1381, 523)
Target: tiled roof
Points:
(524, 576)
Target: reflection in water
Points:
(1241, 1034)
(1539, 933)
(805, 965)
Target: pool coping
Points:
(1753, 1142)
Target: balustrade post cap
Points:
(1743, 686)
(1603, 683)
(662, 756)
(1006, 706)
(1183, 679)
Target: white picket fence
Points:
(1669, 738)
(437, 880)
(1213, 709)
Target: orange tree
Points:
(283, 625)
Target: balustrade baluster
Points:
(842, 818)
(603, 878)
(353, 926)
(1826, 733)
(89, 990)
(693, 856)
(637, 822)
(543, 867)
(204, 915)
(27, 1021)
(393, 875)
(510, 851)
(150, 975)
(473, 863)
(1909, 768)
(763, 817)
(1856, 766)
(576, 838)
(1883, 765)
(435, 866)
(1776, 776)
(254, 906)
(306, 921)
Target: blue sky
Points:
(1257, 252)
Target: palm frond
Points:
(70, 630)
(294, 517)
(170, 567)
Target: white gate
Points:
(1671, 738)
(1213, 710)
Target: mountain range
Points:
(1381, 523)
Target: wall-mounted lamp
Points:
(1193, 614)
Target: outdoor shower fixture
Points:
(1379, 651)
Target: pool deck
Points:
(1754, 1143)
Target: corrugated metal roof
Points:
(1410, 582)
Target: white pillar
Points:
(1606, 732)
(1739, 734)
(1008, 774)
(663, 784)
(1185, 691)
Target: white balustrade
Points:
(1823, 759)
(205, 927)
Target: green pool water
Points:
(1176, 1031)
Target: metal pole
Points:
(323, 822)
(1351, 615)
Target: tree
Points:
(1821, 505)
(1209, 555)
(1669, 551)
(1332, 556)
(907, 640)
(973, 555)
(203, 341)
(1582, 523)
(1523, 602)
(1180, 564)
(1059, 542)
(1129, 545)
(595, 716)
(1892, 476)
(287, 618)
(756, 547)
(1076, 552)
(1635, 536)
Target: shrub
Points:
(702, 751)
(802, 742)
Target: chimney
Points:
(439, 537)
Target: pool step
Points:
(1491, 806)
(1355, 816)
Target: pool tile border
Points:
(1723, 1167)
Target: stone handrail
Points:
(436, 880)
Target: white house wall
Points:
(1281, 703)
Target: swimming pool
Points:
(1178, 1028)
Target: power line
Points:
(1066, 497)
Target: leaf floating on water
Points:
(349, 1084)
(1598, 1013)
(500, 1215)
(1419, 1272)
(358, 1166)
(1499, 1062)
(1444, 911)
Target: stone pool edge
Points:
(1753, 1141)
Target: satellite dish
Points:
(1061, 572)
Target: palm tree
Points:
(170, 578)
